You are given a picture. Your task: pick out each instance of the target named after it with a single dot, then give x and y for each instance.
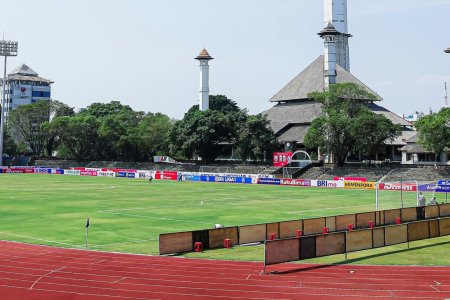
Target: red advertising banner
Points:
(166, 175)
(359, 179)
(408, 187)
(280, 159)
(295, 182)
(77, 169)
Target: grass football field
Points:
(126, 215)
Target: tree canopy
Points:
(346, 123)
(434, 131)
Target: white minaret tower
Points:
(329, 67)
(335, 12)
(204, 58)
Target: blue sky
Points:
(141, 52)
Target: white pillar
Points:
(328, 35)
(204, 59)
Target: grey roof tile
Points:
(311, 80)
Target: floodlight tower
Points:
(204, 59)
(7, 48)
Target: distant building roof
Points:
(415, 149)
(311, 80)
(27, 78)
(413, 139)
(329, 30)
(23, 70)
(296, 133)
(204, 55)
(404, 137)
(388, 114)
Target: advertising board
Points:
(295, 182)
(166, 175)
(273, 181)
(361, 179)
(106, 174)
(72, 172)
(359, 185)
(280, 159)
(327, 183)
(395, 186)
(88, 173)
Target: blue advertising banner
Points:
(121, 174)
(227, 179)
(131, 175)
(60, 171)
(441, 187)
(191, 177)
(208, 178)
(274, 181)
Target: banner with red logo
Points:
(280, 159)
(295, 182)
(166, 175)
(408, 187)
(360, 179)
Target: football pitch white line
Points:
(132, 242)
(241, 200)
(329, 208)
(42, 240)
(159, 218)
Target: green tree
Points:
(374, 132)
(341, 126)
(255, 139)
(154, 134)
(204, 133)
(57, 109)
(78, 134)
(434, 131)
(26, 123)
(104, 110)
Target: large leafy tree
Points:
(78, 134)
(374, 132)
(104, 110)
(154, 134)
(340, 127)
(434, 131)
(255, 138)
(26, 123)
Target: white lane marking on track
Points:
(435, 288)
(45, 275)
(32, 238)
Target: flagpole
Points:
(87, 232)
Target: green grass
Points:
(128, 214)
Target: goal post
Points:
(400, 194)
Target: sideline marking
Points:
(141, 241)
(48, 241)
(46, 275)
(148, 217)
(302, 211)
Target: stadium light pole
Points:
(7, 48)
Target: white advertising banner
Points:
(72, 172)
(327, 183)
(106, 174)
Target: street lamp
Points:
(7, 48)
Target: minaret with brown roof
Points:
(204, 59)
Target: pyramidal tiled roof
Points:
(311, 80)
(204, 55)
(23, 70)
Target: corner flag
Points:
(87, 223)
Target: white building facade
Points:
(24, 86)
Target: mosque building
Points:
(294, 111)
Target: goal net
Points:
(390, 195)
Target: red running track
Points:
(40, 272)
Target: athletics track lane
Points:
(41, 272)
